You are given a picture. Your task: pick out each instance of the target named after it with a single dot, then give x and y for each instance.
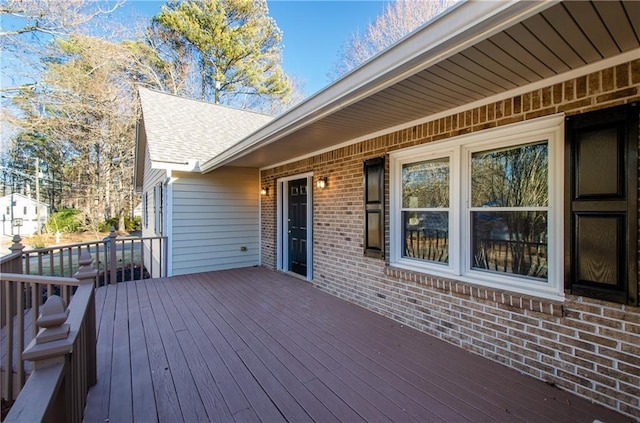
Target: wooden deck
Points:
(256, 345)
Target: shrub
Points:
(130, 225)
(65, 220)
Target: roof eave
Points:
(464, 26)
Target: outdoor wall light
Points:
(322, 182)
(264, 191)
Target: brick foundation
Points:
(585, 346)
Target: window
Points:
(425, 210)
(483, 208)
(145, 210)
(509, 210)
(158, 209)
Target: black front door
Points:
(297, 226)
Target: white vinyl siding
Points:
(213, 217)
(152, 177)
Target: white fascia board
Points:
(464, 26)
(140, 149)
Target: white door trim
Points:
(282, 244)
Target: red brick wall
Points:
(582, 345)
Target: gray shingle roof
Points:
(179, 129)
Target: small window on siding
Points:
(145, 210)
(374, 207)
(158, 208)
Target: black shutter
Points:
(602, 204)
(374, 207)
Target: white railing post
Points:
(112, 257)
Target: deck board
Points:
(99, 394)
(446, 379)
(253, 345)
(166, 397)
(143, 398)
(212, 399)
(228, 342)
(395, 412)
(189, 398)
(121, 398)
(381, 385)
(235, 399)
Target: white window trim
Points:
(159, 208)
(459, 149)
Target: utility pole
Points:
(38, 197)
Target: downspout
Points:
(260, 217)
(169, 221)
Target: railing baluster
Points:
(35, 307)
(3, 316)
(61, 261)
(163, 241)
(19, 334)
(124, 267)
(70, 259)
(132, 267)
(105, 267)
(141, 259)
(8, 308)
(112, 257)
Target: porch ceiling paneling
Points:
(548, 42)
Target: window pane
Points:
(426, 235)
(511, 177)
(426, 184)
(513, 242)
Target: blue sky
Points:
(313, 32)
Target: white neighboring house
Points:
(20, 214)
(211, 220)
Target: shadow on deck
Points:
(257, 345)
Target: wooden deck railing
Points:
(29, 277)
(117, 259)
(63, 352)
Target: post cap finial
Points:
(53, 315)
(16, 246)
